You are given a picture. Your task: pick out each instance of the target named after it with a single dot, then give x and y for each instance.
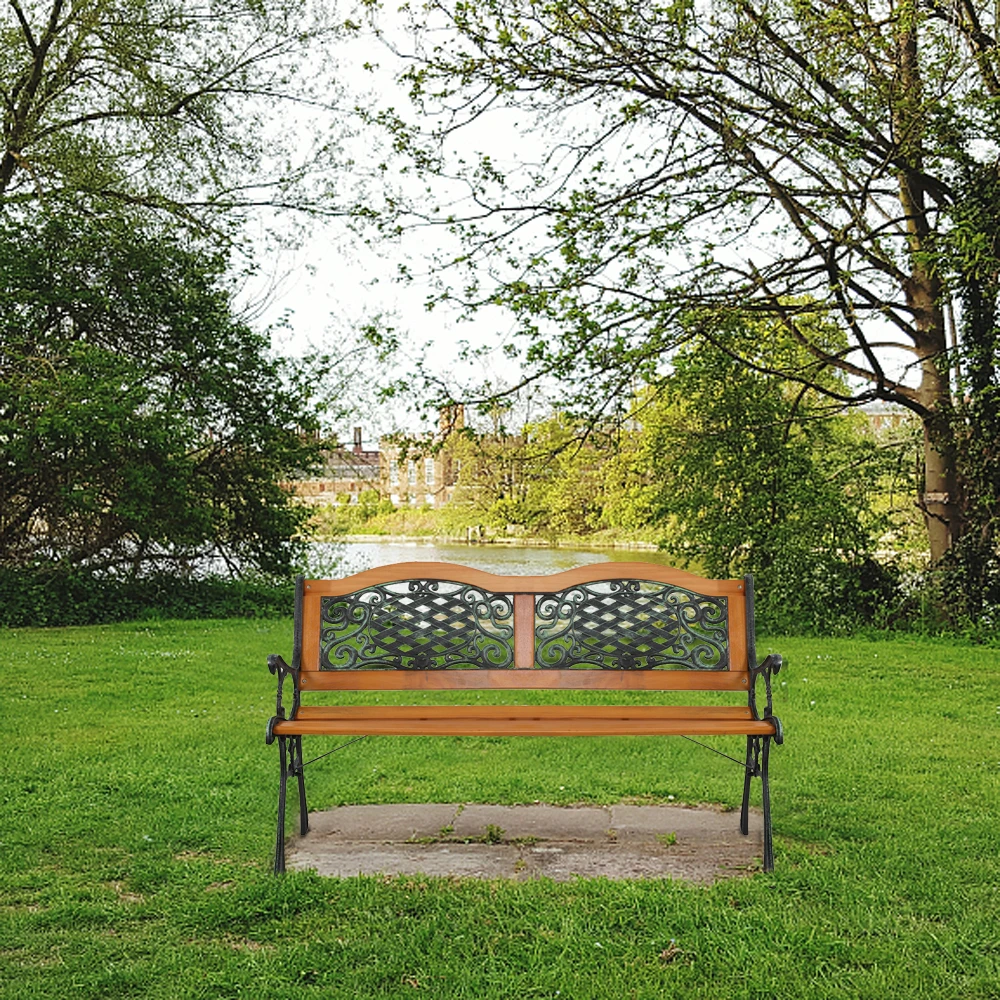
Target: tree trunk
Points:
(939, 499)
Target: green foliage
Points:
(57, 597)
(749, 473)
(141, 424)
(374, 515)
(735, 470)
(555, 489)
(452, 521)
(968, 581)
(165, 104)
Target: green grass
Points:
(138, 813)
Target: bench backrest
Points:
(610, 626)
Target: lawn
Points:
(138, 812)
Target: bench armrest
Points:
(767, 669)
(277, 665)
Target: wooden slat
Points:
(570, 680)
(310, 631)
(545, 584)
(737, 607)
(524, 631)
(420, 722)
(495, 712)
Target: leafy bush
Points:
(44, 597)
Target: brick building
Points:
(425, 471)
(345, 474)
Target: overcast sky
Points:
(329, 283)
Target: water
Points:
(333, 559)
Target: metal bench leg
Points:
(745, 813)
(299, 770)
(768, 845)
(279, 848)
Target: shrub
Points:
(46, 597)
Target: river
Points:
(331, 559)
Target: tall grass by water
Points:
(138, 815)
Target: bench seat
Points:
(524, 720)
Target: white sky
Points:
(328, 289)
(331, 283)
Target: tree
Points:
(551, 480)
(970, 583)
(142, 425)
(196, 110)
(744, 473)
(789, 159)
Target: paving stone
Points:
(461, 861)
(702, 823)
(545, 822)
(397, 823)
(622, 861)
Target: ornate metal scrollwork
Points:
(769, 667)
(631, 625)
(754, 746)
(417, 625)
(278, 666)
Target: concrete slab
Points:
(544, 822)
(627, 861)
(381, 824)
(618, 842)
(461, 861)
(649, 822)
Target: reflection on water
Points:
(329, 559)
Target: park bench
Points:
(609, 627)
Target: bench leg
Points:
(768, 845)
(279, 847)
(758, 754)
(299, 770)
(745, 813)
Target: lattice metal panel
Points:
(417, 625)
(631, 625)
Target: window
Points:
(429, 471)
(411, 472)
(393, 472)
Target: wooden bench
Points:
(426, 626)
